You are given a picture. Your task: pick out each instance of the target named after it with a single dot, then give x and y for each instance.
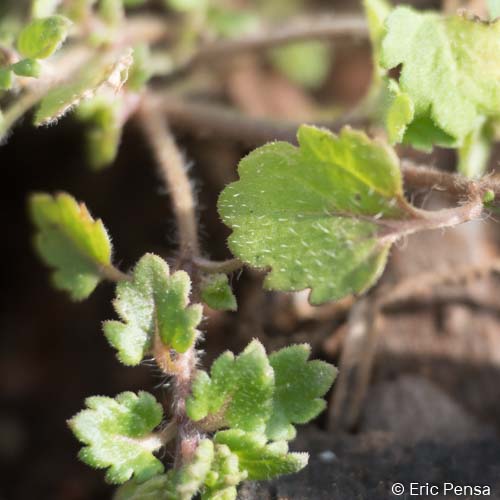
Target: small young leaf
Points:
(117, 434)
(156, 488)
(299, 387)
(42, 37)
(153, 302)
(449, 70)
(190, 478)
(6, 79)
(261, 460)
(104, 130)
(399, 112)
(314, 214)
(98, 75)
(238, 392)
(140, 71)
(217, 294)
(224, 476)
(70, 241)
(27, 67)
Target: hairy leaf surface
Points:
(238, 392)
(224, 475)
(217, 294)
(42, 37)
(261, 460)
(100, 74)
(450, 71)
(312, 214)
(70, 241)
(299, 387)
(154, 302)
(117, 434)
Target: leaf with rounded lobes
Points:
(43, 36)
(450, 70)
(71, 242)
(155, 302)
(313, 214)
(118, 434)
(299, 387)
(217, 294)
(261, 460)
(224, 476)
(103, 73)
(238, 393)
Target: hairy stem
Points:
(112, 273)
(173, 171)
(175, 176)
(211, 266)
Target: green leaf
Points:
(71, 242)
(224, 476)
(181, 484)
(190, 478)
(261, 460)
(399, 112)
(238, 392)
(141, 71)
(304, 63)
(6, 79)
(118, 434)
(42, 37)
(104, 129)
(44, 8)
(494, 8)
(156, 488)
(376, 14)
(299, 387)
(316, 214)
(100, 75)
(450, 69)
(217, 294)
(474, 155)
(27, 67)
(154, 302)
